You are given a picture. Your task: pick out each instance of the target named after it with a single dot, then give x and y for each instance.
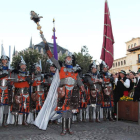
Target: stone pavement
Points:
(82, 131)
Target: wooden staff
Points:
(36, 18)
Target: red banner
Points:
(107, 53)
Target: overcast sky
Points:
(78, 23)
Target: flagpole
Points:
(54, 42)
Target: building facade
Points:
(132, 59)
(41, 49)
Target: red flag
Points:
(53, 37)
(107, 53)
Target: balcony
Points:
(134, 49)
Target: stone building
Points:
(132, 59)
(41, 49)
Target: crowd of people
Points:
(22, 93)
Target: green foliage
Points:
(45, 67)
(30, 57)
(83, 58)
(62, 58)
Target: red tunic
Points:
(42, 96)
(68, 93)
(25, 96)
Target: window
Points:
(135, 45)
(113, 65)
(138, 58)
(131, 45)
(121, 62)
(118, 63)
(124, 62)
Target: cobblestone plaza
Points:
(82, 131)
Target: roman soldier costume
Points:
(107, 99)
(21, 98)
(68, 80)
(83, 100)
(5, 89)
(49, 76)
(94, 91)
(37, 95)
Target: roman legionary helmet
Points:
(50, 63)
(3, 56)
(72, 62)
(38, 64)
(93, 65)
(68, 62)
(103, 65)
(22, 62)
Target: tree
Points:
(84, 59)
(30, 57)
(62, 58)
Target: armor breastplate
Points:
(97, 85)
(3, 82)
(21, 77)
(68, 70)
(4, 71)
(69, 81)
(37, 79)
(69, 88)
(21, 90)
(106, 80)
(37, 88)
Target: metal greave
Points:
(5, 116)
(64, 127)
(69, 121)
(91, 114)
(84, 115)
